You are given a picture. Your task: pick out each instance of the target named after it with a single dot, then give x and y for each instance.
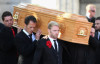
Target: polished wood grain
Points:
(74, 28)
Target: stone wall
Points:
(71, 6)
(7, 5)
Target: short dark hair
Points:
(98, 18)
(30, 18)
(6, 13)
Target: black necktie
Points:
(58, 57)
(30, 37)
(55, 45)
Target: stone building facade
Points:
(71, 6)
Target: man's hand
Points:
(19, 29)
(45, 37)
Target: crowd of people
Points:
(27, 47)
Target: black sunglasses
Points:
(93, 10)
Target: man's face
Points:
(53, 32)
(8, 21)
(97, 25)
(92, 33)
(92, 11)
(30, 27)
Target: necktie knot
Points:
(30, 37)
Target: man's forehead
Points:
(92, 8)
(6, 17)
(97, 21)
(55, 26)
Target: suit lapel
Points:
(25, 36)
(96, 35)
(59, 57)
(60, 47)
(51, 50)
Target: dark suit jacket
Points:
(77, 52)
(25, 48)
(83, 54)
(8, 53)
(1, 26)
(98, 54)
(96, 45)
(91, 51)
(92, 20)
(96, 35)
(46, 55)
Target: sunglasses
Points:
(93, 10)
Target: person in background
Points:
(97, 36)
(97, 28)
(26, 41)
(90, 13)
(91, 48)
(8, 52)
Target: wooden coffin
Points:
(74, 28)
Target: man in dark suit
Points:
(90, 13)
(49, 51)
(97, 27)
(26, 41)
(77, 52)
(91, 51)
(97, 36)
(8, 53)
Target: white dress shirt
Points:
(52, 42)
(98, 35)
(87, 15)
(33, 36)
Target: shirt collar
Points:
(25, 32)
(87, 15)
(51, 38)
(98, 33)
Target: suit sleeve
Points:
(66, 55)
(23, 47)
(6, 40)
(38, 53)
(93, 42)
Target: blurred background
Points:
(71, 6)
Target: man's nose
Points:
(57, 32)
(32, 29)
(10, 21)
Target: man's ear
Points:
(25, 25)
(48, 31)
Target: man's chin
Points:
(31, 32)
(55, 37)
(9, 26)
